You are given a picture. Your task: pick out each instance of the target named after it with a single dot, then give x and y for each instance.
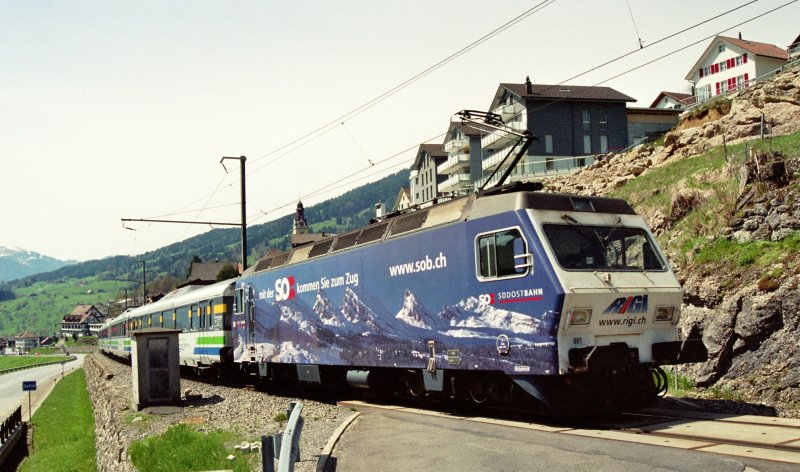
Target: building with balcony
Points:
(794, 49)
(463, 166)
(572, 124)
(26, 341)
(730, 64)
(85, 320)
(424, 178)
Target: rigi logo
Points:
(633, 304)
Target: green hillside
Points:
(42, 300)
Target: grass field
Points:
(12, 362)
(182, 448)
(63, 430)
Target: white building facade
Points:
(730, 64)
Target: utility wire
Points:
(323, 189)
(369, 104)
(586, 72)
(638, 36)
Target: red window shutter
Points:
(744, 58)
(731, 63)
(732, 83)
(701, 72)
(746, 79)
(717, 88)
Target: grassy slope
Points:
(40, 307)
(63, 429)
(696, 238)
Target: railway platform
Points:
(391, 438)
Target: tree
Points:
(228, 271)
(6, 293)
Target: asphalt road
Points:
(11, 394)
(390, 440)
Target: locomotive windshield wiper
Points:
(616, 225)
(569, 218)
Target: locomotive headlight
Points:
(665, 313)
(580, 316)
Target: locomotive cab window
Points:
(611, 248)
(502, 254)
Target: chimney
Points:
(528, 84)
(740, 35)
(379, 212)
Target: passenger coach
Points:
(202, 313)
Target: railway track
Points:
(748, 436)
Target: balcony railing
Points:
(499, 139)
(456, 145)
(455, 183)
(527, 171)
(509, 111)
(453, 163)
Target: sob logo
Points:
(632, 305)
(486, 299)
(284, 289)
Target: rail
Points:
(284, 447)
(11, 430)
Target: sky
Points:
(112, 109)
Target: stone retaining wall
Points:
(112, 450)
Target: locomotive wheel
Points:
(413, 384)
(480, 392)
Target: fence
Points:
(12, 429)
(285, 447)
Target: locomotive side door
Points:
(244, 326)
(250, 313)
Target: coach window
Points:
(502, 254)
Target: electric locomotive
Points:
(506, 293)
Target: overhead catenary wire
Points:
(383, 96)
(332, 186)
(636, 28)
(616, 59)
(674, 51)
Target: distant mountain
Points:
(16, 263)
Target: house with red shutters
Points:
(729, 64)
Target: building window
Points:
(587, 144)
(723, 65)
(549, 163)
(548, 143)
(603, 120)
(738, 60)
(603, 144)
(721, 48)
(587, 120)
(580, 161)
